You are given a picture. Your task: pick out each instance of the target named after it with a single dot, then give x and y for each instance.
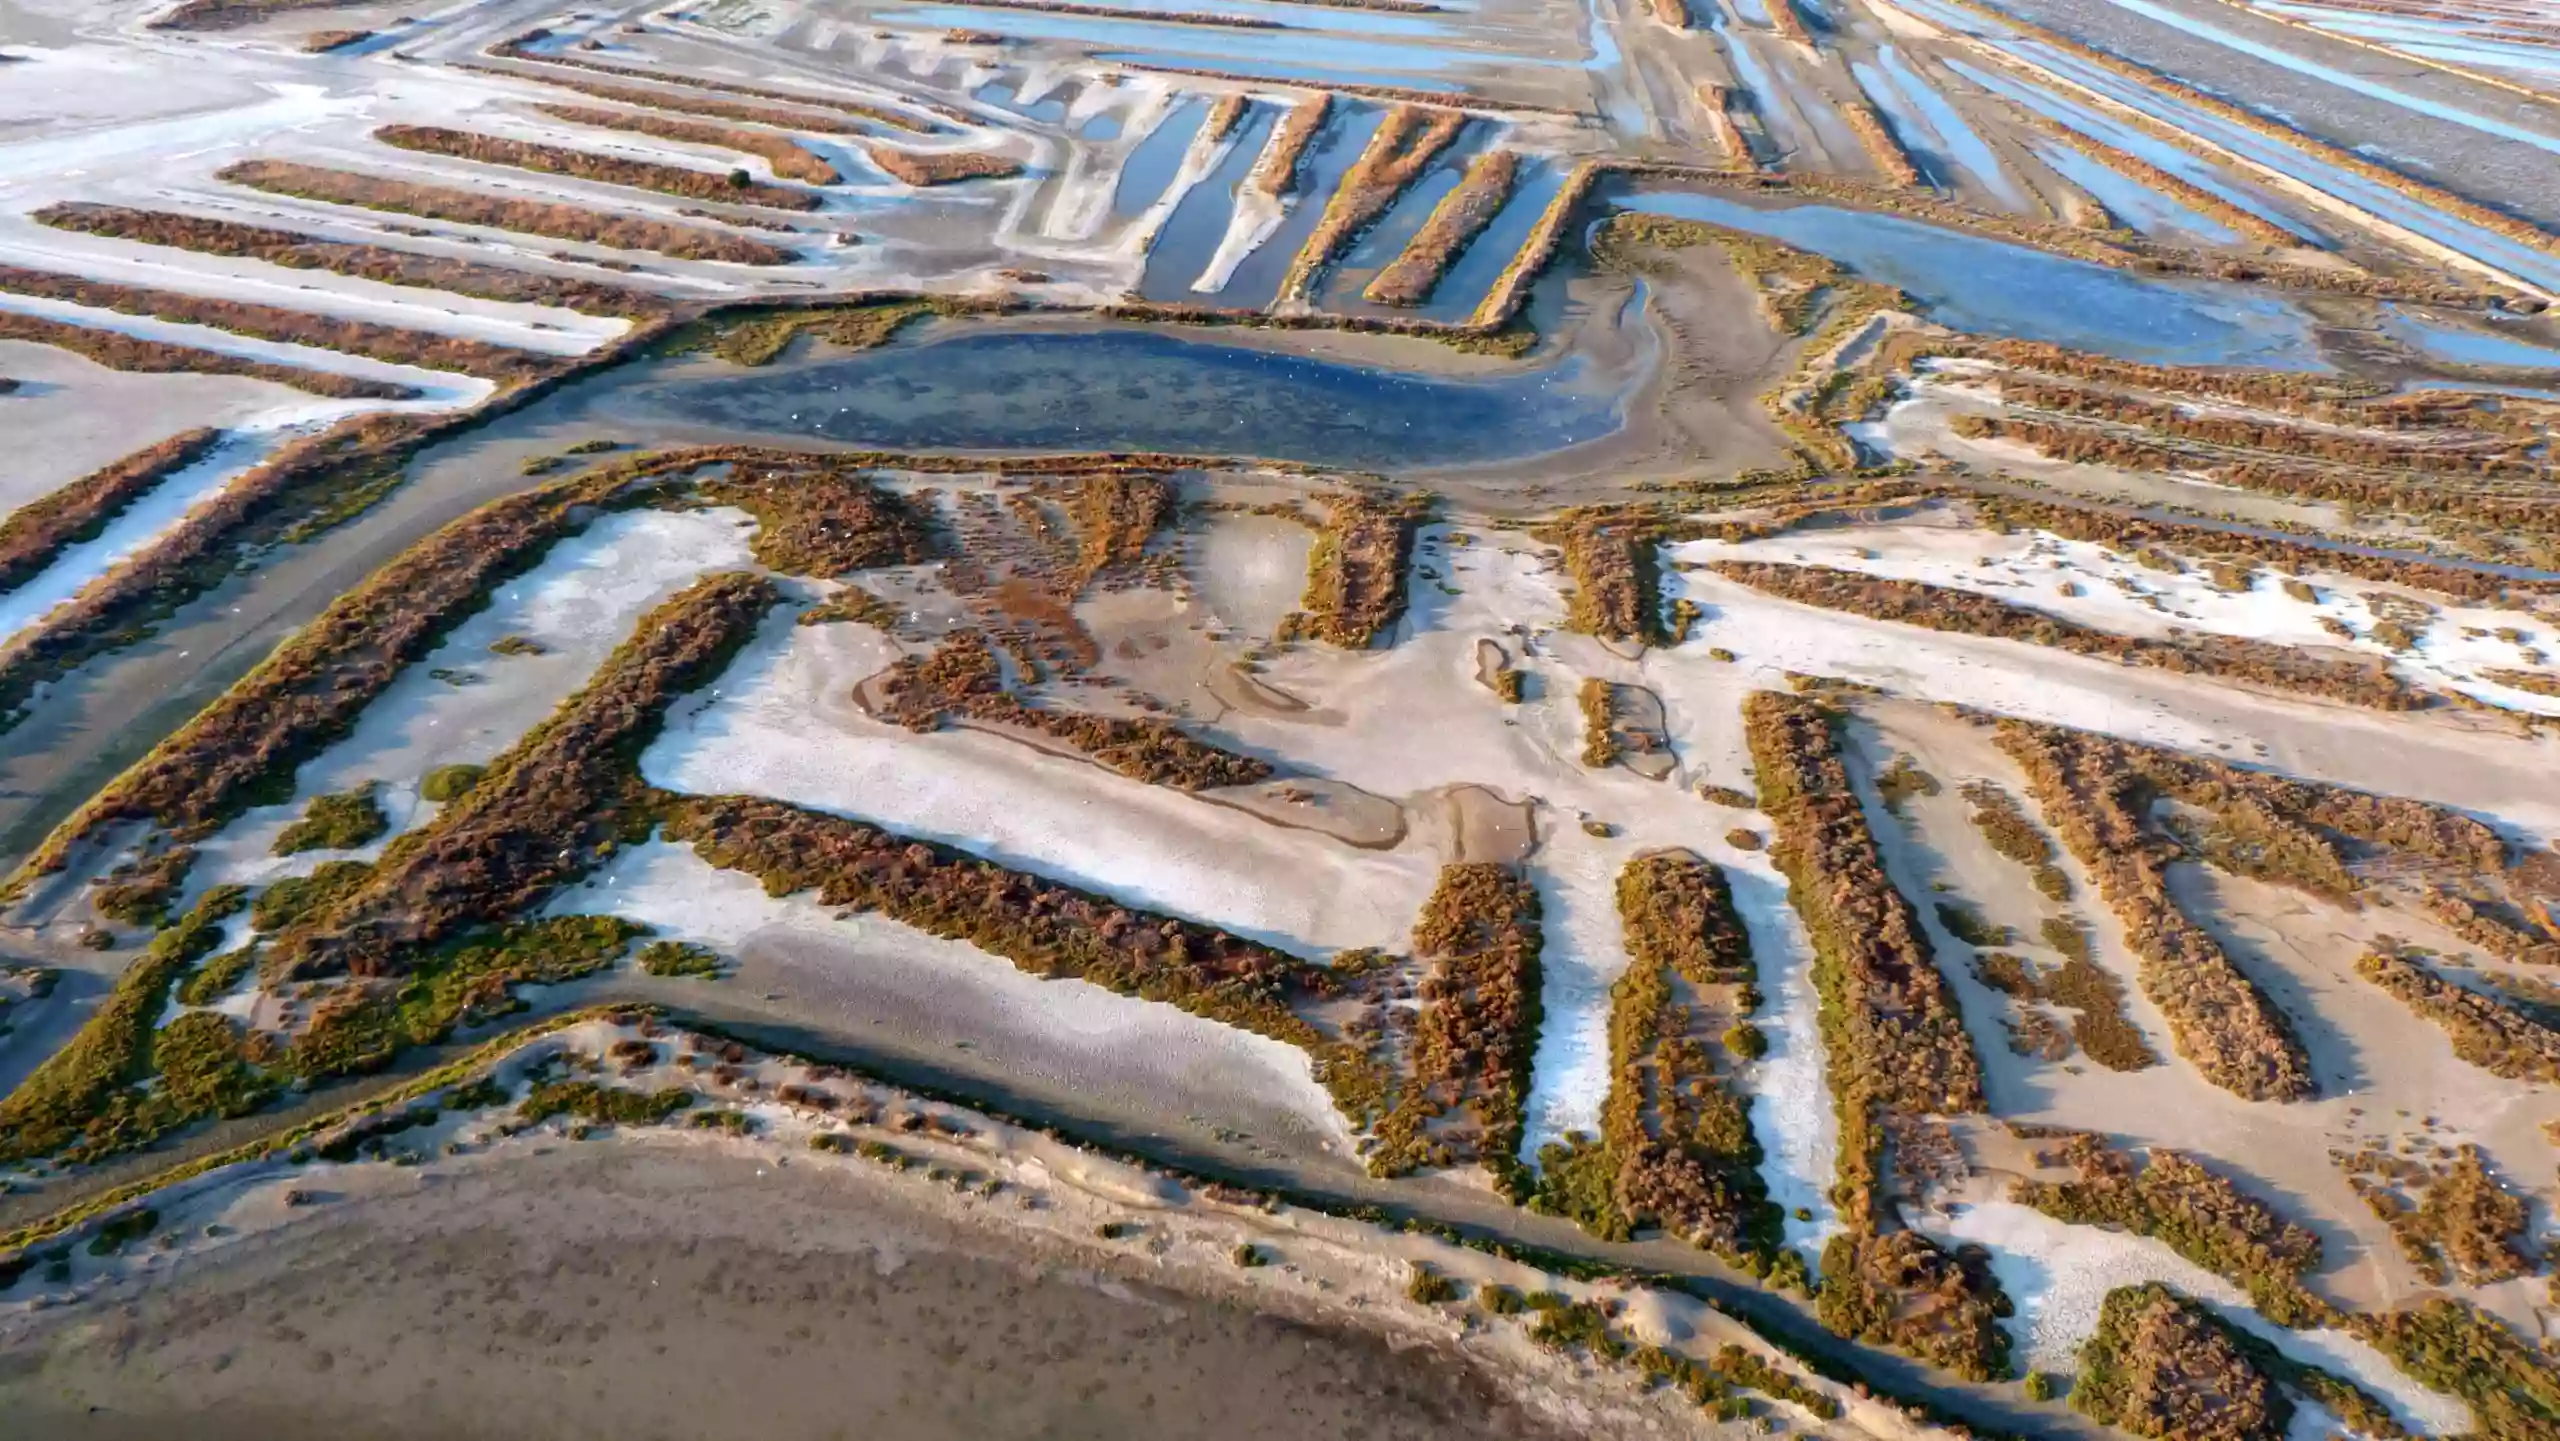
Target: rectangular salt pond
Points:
(1988, 287)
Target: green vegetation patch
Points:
(88, 1099)
(680, 958)
(2163, 1367)
(362, 1025)
(293, 899)
(602, 1104)
(451, 783)
(339, 822)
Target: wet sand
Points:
(594, 1290)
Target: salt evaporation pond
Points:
(1988, 287)
(1131, 390)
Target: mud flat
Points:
(728, 1272)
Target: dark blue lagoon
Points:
(1133, 390)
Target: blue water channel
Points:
(1987, 287)
(982, 390)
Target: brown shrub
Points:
(208, 236)
(2134, 533)
(33, 534)
(941, 167)
(470, 207)
(2451, 1218)
(1478, 1025)
(1225, 116)
(1045, 928)
(243, 749)
(232, 14)
(2218, 1019)
(1510, 290)
(788, 160)
(1455, 222)
(1398, 151)
(810, 121)
(1878, 139)
(2168, 1197)
(2161, 1366)
(320, 42)
(1615, 561)
(1895, 1041)
(961, 677)
(2457, 1348)
(546, 807)
(588, 165)
(2496, 1038)
(1356, 571)
(1275, 171)
(1719, 102)
(1116, 514)
(2091, 446)
(818, 516)
(514, 50)
(1676, 1143)
(1944, 608)
(271, 322)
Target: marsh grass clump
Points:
(603, 1105)
(34, 534)
(1460, 216)
(472, 207)
(1896, 1045)
(1470, 1042)
(89, 1099)
(680, 958)
(208, 236)
(217, 977)
(963, 678)
(2355, 681)
(1615, 559)
(2161, 1366)
(2169, 1197)
(2461, 1350)
(941, 167)
(2218, 1018)
(2451, 1218)
(2500, 1039)
(338, 822)
(1398, 151)
(1356, 572)
(118, 351)
(1429, 1287)
(2003, 823)
(1043, 928)
(1600, 746)
(818, 518)
(359, 1026)
(122, 1229)
(1968, 925)
(392, 344)
(591, 165)
(559, 797)
(788, 160)
(450, 782)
